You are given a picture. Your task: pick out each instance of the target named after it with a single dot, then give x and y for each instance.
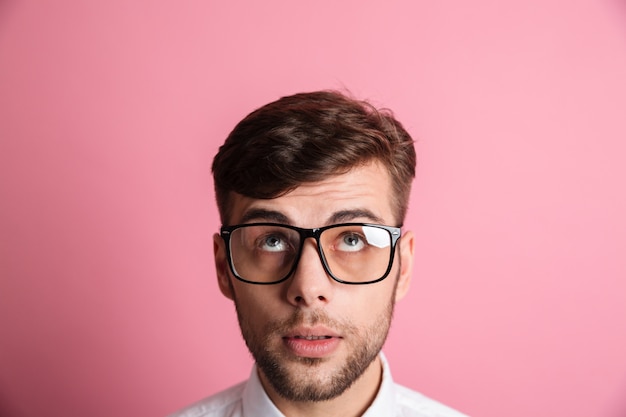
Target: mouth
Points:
(312, 343)
(312, 337)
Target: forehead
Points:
(363, 194)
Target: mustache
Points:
(310, 318)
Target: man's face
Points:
(313, 337)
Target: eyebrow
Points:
(259, 214)
(343, 216)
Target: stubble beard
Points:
(364, 346)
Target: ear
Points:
(221, 266)
(406, 252)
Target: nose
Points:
(310, 286)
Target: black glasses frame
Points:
(394, 232)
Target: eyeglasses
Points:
(351, 253)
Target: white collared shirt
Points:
(248, 399)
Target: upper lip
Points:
(319, 331)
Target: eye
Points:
(351, 242)
(273, 243)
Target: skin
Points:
(357, 316)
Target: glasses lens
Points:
(263, 254)
(357, 253)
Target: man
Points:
(312, 191)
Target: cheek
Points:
(258, 304)
(370, 302)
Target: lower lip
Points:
(318, 348)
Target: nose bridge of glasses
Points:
(314, 234)
(309, 234)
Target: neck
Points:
(351, 403)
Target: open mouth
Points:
(312, 346)
(312, 337)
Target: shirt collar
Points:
(257, 403)
(255, 400)
(385, 402)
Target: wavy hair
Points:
(308, 137)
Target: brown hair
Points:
(308, 137)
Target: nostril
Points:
(300, 299)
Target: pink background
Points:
(111, 112)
